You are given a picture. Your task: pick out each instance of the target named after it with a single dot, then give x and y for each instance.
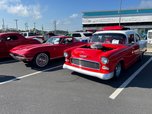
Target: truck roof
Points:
(117, 31)
(117, 27)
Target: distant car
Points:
(11, 40)
(40, 54)
(149, 37)
(48, 35)
(81, 36)
(28, 34)
(39, 38)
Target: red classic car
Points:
(107, 54)
(10, 40)
(40, 54)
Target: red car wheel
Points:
(41, 60)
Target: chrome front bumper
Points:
(90, 73)
(20, 58)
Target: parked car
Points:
(40, 54)
(149, 36)
(33, 35)
(11, 40)
(48, 35)
(28, 34)
(108, 53)
(81, 36)
(40, 38)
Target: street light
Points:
(120, 12)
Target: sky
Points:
(66, 13)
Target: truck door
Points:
(142, 44)
(134, 48)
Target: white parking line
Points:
(28, 75)
(121, 88)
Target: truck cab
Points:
(107, 54)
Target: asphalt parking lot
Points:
(27, 90)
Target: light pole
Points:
(120, 12)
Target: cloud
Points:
(67, 21)
(18, 8)
(74, 15)
(70, 23)
(146, 4)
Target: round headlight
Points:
(104, 60)
(65, 54)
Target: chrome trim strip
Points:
(90, 73)
(56, 57)
(17, 57)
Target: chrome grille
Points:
(84, 63)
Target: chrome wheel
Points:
(42, 60)
(118, 70)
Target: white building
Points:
(139, 19)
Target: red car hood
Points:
(29, 47)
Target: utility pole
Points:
(34, 25)
(26, 26)
(34, 29)
(42, 30)
(55, 27)
(120, 12)
(3, 25)
(16, 21)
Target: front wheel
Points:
(118, 70)
(41, 60)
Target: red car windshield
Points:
(113, 38)
(53, 40)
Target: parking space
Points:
(58, 91)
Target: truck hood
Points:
(90, 54)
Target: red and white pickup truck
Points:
(108, 53)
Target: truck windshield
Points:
(113, 38)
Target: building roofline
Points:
(117, 10)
